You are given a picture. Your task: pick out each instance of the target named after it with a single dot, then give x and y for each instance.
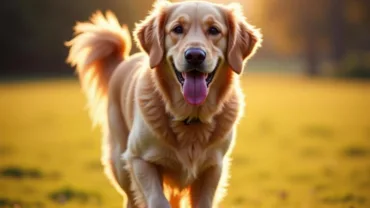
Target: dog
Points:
(169, 113)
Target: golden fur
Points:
(150, 155)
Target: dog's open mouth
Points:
(208, 77)
(195, 84)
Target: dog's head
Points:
(195, 40)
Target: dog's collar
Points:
(189, 121)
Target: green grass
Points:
(302, 143)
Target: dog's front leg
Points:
(203, 190)
(149, 182)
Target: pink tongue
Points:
(195, 88)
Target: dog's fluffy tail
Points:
(96, 49)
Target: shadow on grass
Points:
(15, 172)
(317, 131)
(343, 199)
(68, 194)
(5, 150)
(8, 203)
(356, 151)
(19, 173)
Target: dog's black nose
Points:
(195, 56)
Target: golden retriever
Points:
(168, 114)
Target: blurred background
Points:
(303, 142)
(329, 37)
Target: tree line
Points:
(327, 35)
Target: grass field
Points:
(303, 143)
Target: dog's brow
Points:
(182, 19)
(211, 20)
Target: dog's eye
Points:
(178, 29)
(213, 31)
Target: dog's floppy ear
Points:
(149, 34)
(244, 39)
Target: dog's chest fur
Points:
(182, 164)
(183, 151)
(186, 150)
